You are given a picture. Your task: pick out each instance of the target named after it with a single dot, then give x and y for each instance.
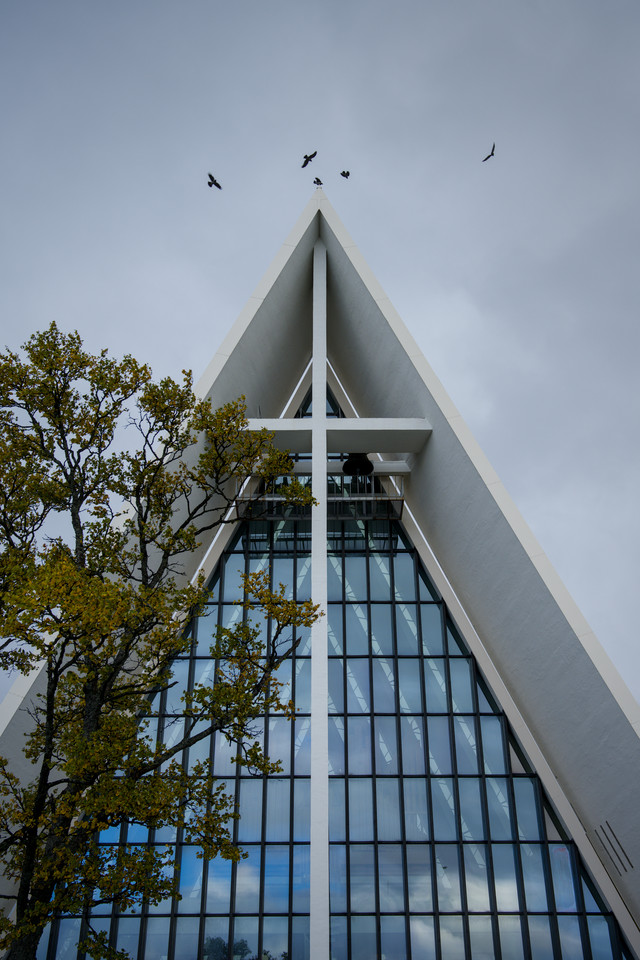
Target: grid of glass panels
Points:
(258, 907)
(442, 846)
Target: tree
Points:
(93, 594)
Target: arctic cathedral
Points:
(462, 776)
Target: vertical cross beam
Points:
(319, 851)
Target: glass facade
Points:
(442, 845)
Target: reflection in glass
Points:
(412, 735)
(336, 745)
(248, 881)
(423, 943)
(600, 938)
(356, 629)
(337, 878)
(452, 938)
(381, 629)
(384, 685)
(339, 948)
(277, 821)
(388, 809)
(218, 885)
(275, 936)
(358, 698)
(570, 939)
(505, 876)
(419, 878)
(276, 879)
(393, 938)
(535, 887)
(494, 753)
(391, 878)
(447, 876)
(431, 620)
(361, 870)
(409, 692)
(498, 805)
(435, 681)
(465, 741)
(470, 809)
(407, 629)
(511, 937)
(363, 938)
(190, 880)
(540, 938)
(360, 810)
(481, 938)
(475, 868)
(245, 937)
(461, 686)
(443, 807)
(526, 808)
(250, 822)
(386, 750)
(439, 745)
(301, 809)
(359, 729)
(186, 940)
(157, 940)
(416, 812)
(562, 871)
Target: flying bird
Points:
(308, 157)
(346, 174)
(493, 150)
(318, 182)
(213, 182)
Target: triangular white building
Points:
(442, 841)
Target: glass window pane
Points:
(334, 578)
(419, 878)
(540, 937)
(337, 878)
(355, 578)
(600, 937)
(481, 938)
(303, 685)
(384, 685)
(358, 698)
(393, 938)
(570, 939)
(128, 935)
(500, 824)
(379, 577)
(388, 809)
(276, 879)
(186, 942)
(339, 948)
(280, 742)
(381, 630)
(179, 678)
(448, 876)
(440, 760)
(336, 745)
(435, 680)
(69, 934)
(471, 809)
(302, 746)
(218, 885)
(385, 746)
(356, 629)
(250, 823)
(404, 572)
(493, 749)
(360, 809)
(407, 629)
(475, 868)
(412, 734)
(334, 626)
(461, 686)
(233, 570)
(511, 937)
(563, 873)
(391, 878)
(527, 808)
(248, 881)
(337, 828)
(443, 806)
(465, 741)
(300, 946)
(216, 938)
(245, 937)
(278, 798)
(409, 691)
(432, 634)
(336, 685)
(359, 730)
(535, 887)
(361, 869)
(303, 584)
(423, 944)
(301, 808)
(504, 870)
(416, 814)
(275, 936)
(452, 938)
(191, 867)
(157, 940)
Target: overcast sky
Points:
(519, 277)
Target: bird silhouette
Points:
(346, 174)
(318, 182)
(213, 182)
(493, 150)
(308, 157)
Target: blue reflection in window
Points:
(407, 629)
(361, 870)
(245, 937)
(452, 938)
(191, 867)
(355, 578)
(511, 938)
(388, 809)
(500, 824)
(440, 761)
(391, 878)
(393, 938)
(419, 878)
(250, 823)
(356, 629)
(233, 570)
(336, 685)
(447, 876)
(186, 942)
(337, 878)
(379, 577)
(69, 934)
(280, 741)
(386, 748)
(404, 574)
(475, 868)
(563, 873)
(443, 807)
(570, 938)
(461, 686)
(435, 680)
(481, 938)
(540, 938)
(301, 808)
(300, 946)
(336, 746)
(423, 943)
(218, 885)
(248, 881)
(359, 729)
(277, 822)
(337, 827)
(276, 879)
(416, 811)
(535, 887)
(412, 735)
(493, 748)
(381, 629)
(157, 939)
(358, 696)
(384, 684)
(470, 809)
(275, 936)
(179, 685)
(303, 685)
(409, 692)
(302, 746)
(504, 870)
(432, 633)
(334, 578)
(334, 627)
(465, 740)
(527, 812)
(360, 809)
